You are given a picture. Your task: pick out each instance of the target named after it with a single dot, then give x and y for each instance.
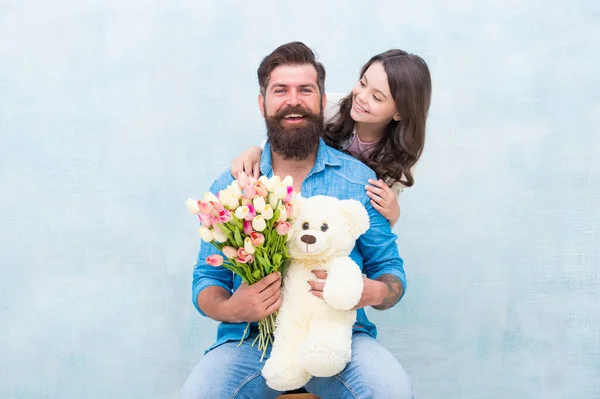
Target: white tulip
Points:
(281, 191)
(228, 199)
(273, 200)
(210, 197)
(259, 204)
(205, 233)
(248, 246)
(273, 182)
(267, 212)
(282, 213)
(288, 181)
(241, 212)
(218, 235)
(264, 180)
(258, 223)
(235, 190)
(192, 206)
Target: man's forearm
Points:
(394, 291)
(212, 301)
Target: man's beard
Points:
(295, 142)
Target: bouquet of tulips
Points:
(249, 223)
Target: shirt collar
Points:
(325, 157)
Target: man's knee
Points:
(377, 371)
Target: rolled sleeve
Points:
(379, 249)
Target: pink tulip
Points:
(249, 191)
(205, 207)
(225, 216)
(247, 227)
(282, 228)
(243, 256)
(257, 238)
(230, 252)
(261, 189)
(251, 212)
(206, 220)
(289, 194)
(214, 260)
(289, 209)
(217, 207)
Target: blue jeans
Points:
(229, 371)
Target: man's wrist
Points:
(382, 291)
(228, 313)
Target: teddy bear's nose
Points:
(308, 239)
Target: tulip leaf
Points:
(224, 229)
(256, 274)
(238, 238)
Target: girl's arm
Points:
(248, 162)
(384, 200)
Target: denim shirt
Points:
(334, 174)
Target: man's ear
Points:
(261, 104)
(323, 100)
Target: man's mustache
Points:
(299, 110)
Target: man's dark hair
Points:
(294, 53)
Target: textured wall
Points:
(112, 113)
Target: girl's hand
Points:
(384, 200)
(248, 162)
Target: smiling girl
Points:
(381, 122)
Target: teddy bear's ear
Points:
(356, 216)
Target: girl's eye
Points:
(376, 99)
(324, 227)
(305, 226)
(362, 84)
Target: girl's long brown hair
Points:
(403, 141)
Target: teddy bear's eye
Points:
(324, 227)
(305, 226)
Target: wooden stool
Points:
(297, 394)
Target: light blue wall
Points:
(112, 113)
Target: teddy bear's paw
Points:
(344, 285)
(284, 375)
(324, 361)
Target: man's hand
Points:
(374, 292)
(254, 302)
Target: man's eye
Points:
(279, 90)
(305, 226)
(306, 90)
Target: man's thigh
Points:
(373, 372)
(229, 371)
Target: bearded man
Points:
(292, 98)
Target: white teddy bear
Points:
(313, 336)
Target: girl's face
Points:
(372, 102)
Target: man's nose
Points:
(293, 99)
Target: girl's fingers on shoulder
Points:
(377, 207)
(377, 183)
